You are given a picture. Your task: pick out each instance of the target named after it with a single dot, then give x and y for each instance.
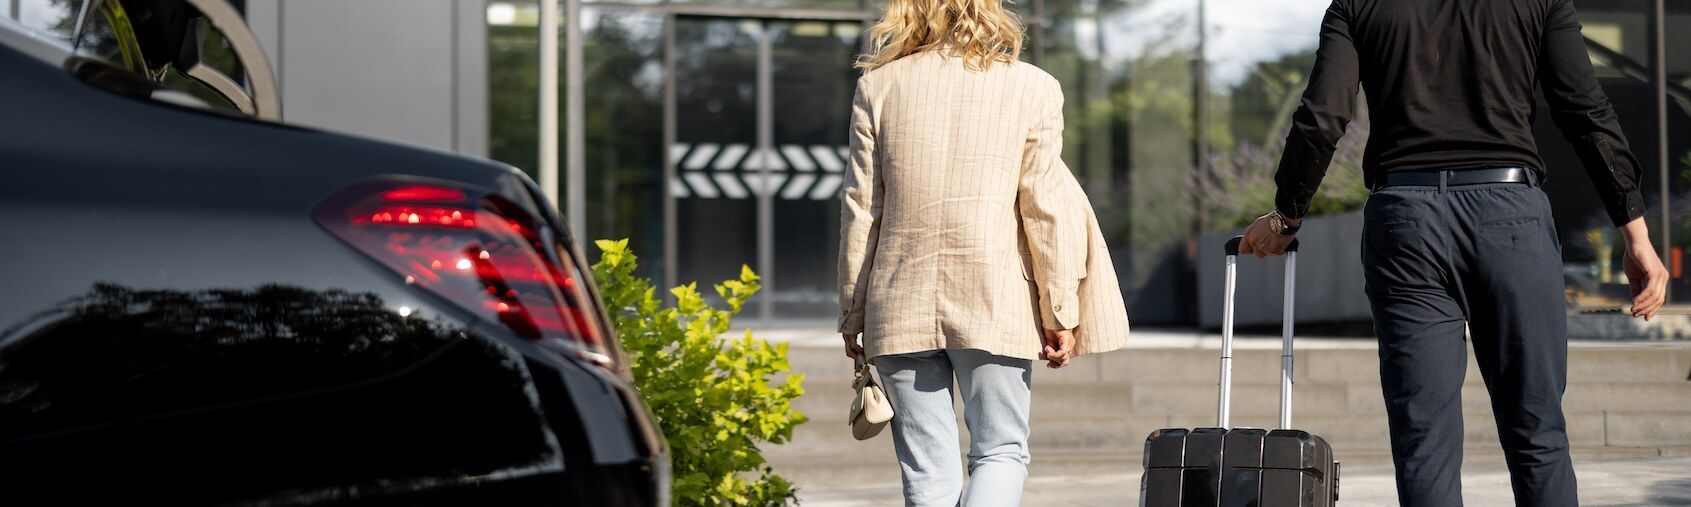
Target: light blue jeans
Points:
(995, 392)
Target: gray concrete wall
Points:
(1329, 283)
(412, 71)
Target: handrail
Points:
(1631, 68)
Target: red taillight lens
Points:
(477, 250)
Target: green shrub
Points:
(714, 398)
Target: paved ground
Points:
(1645, 482)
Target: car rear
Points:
(205, 309)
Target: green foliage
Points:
(1241, 187)
(714, 398)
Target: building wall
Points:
(413, 71)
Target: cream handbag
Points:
(870, 410)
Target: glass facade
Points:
(1618, 34)
(713, 130)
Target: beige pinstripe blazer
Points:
(960, 225)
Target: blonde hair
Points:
(980, 31)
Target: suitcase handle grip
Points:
(1233, 245)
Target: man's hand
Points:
(1059, 348)
(852, 349)
(1261, 241)
(1644, 271)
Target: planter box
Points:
(1329, 277)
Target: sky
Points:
(1244, 32)
(1241, 32)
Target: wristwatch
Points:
(1277, 224)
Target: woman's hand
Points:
(1059, 348)
(852, 349)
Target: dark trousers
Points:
(1484, 258)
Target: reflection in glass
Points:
(624, 128)
(813, 87)
(1617, 36)
(769, 4)
(53, 18)
(245, 392)
(1126, 69)
(716, 131)
(513, 49)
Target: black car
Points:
(200, 306)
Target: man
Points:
(1458, 237)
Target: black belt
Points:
(1456, 177)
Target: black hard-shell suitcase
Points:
(1226, 466)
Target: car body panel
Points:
(175, 326)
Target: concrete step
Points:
(1586, 364)
(882, 468)
(1093, 417)
(1347, 433)
(1310, 399)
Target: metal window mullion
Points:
(765, 147)
(1038, 35)
(575, 137)
(1659, 95)
(670, 235)
(548, 134)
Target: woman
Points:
(964, 240)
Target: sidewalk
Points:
(1643, 482)
(821, 334)
(1628, 404)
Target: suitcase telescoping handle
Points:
(1224, 402)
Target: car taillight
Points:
(476, 249)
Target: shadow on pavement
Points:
(1670, 492)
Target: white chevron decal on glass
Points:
(762, 158)
(676, 151)
(677, 188)
(826, 188)
(765, 184)
(740, 169)
(701, 156)
(829, 162)
(730, 157)
(701, 185)
(730, 185)
(800, 185)
(795, 155)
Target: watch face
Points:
(1276, 224)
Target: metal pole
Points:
(1224, 398)
(1038, 34)
(1286, 340)
(575, 135)
(1659, 92)
(764, 153)
(1200, 119)
(548, 138)
(669, 124)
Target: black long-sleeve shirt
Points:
(1450, 86)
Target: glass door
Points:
(813, 83)
(757, 154)
(715, 129)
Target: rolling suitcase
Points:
(1226, 466)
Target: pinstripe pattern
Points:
(960, 225)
